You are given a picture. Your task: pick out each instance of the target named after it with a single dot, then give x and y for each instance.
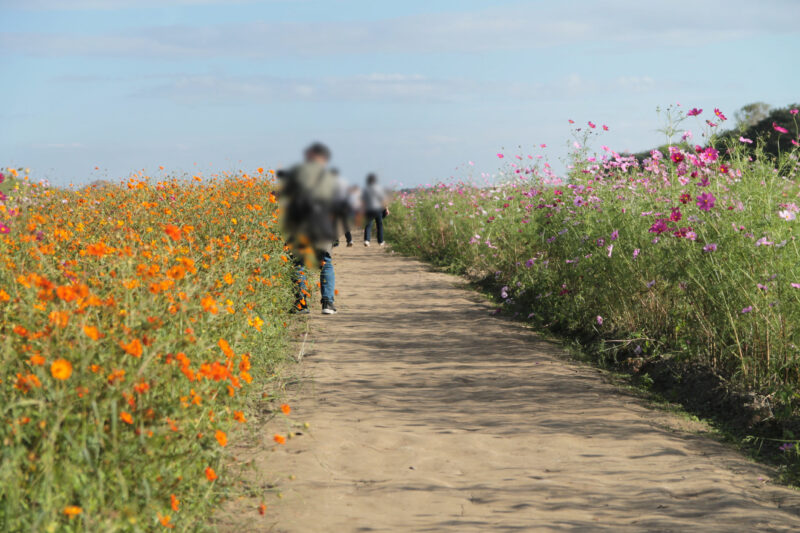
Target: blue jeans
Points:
(377, 216)
(327, 280)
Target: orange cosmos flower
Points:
(98, 250)
(92, 332)
(176, 272)
(72, 510)
(36, 360)
(239, 417)
(133, 348)
(4, 296)
(262, 509)
(174, 502)
(210, 474)
(61, 369)
(221, 437)
(19, 330)
(174, 232)
(226, 348)
(59, 318)
(126, 417)
(286, 409)
(280, 439)
(164, 520)
(209, 304)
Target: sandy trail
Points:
(428, 414)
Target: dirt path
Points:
(428, 414)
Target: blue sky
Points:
(410, 89)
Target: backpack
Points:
(309, 216)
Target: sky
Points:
(414, 90)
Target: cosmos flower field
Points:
(136, 319)
(690, 255)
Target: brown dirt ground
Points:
(428, 414)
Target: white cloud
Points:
(377, 87)
(106, 5)
(610, 25)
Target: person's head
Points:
(372, 179)
(318, 153)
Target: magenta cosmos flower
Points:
(706, 201)
(694, 112)
(779, 129)
(659, 226)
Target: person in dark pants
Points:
(374, 200)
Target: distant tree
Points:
(751, 114)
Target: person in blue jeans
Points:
(308, 193)
(374, 201)
(327, 282)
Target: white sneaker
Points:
(381, 244)
(366, 243)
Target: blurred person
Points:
(307, 194)
(342, 213)
(354, 204)
(374, 200)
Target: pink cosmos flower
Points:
(794, 111)
(694, 112)
(710, 154)
(710, 247)
(706, 201)
(500, 156)
(605, 128)
(4, 229)
(659, 226)
(745, 140)
(592, 124)
(720, 114)
(747, 309)
(796, 285)
(779, 129)
(636, 253)
(599, 320)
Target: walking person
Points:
(308, 193)
(342, 213)
(374, 200)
